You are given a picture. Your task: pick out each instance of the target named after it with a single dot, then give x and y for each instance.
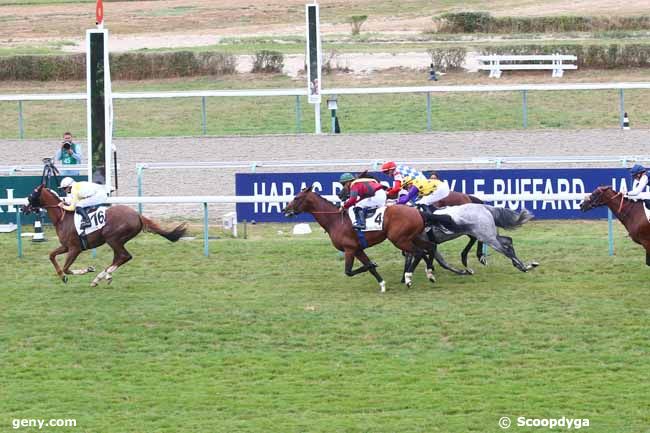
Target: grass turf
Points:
(267, 334)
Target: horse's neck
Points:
(621, 208)
(325, 213)
(55, 213)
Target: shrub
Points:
(268, 62)
(446, 59)
(356, 21)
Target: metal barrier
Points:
(297, 93)
(205, 200)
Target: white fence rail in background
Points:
(205, 200)
(297, 93)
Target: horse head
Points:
(599, 197)
(40, 197)
(297, 205)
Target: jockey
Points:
(640, 175)
(82, 195)
(428, 191)
(401, 174)
(364, 193)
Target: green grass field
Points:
(268, 335)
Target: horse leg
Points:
(60, 250)
(372, 268)
(69, 260)
(428, 259)
(480, 255)
(120, 256)
(506, 248)
(465, 252)
(408, 258)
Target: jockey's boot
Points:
(85, 220)
(360, 215)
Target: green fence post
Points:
(298, 115)
(21, 126)
(525, 107)
(429, 111)
(139, 176)
(19, 233)
(621, 104)
(206, 248)
(204, 117)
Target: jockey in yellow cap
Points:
(80, 196)
(428, 191)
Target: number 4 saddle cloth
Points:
(97, 217)
(374, 218)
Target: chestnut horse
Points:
(122, 224)
(403, 226)
(629, 212)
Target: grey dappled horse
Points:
(481, 221)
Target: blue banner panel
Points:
(21, 187)
(494, 181)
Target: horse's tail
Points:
(509, 219)
(475, 199)
(172, 235)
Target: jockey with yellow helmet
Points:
(364, 193)
(427, 191)
(80, 196)
(640, 175)
(401, 174)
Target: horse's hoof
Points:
(409, 285)
(382, 287)
(483, 261)
(90, 269)
(93, 284)
(469, 271)
(534, 264)
(64, 279)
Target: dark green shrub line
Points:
(589, 56)
(124, 66)
(483, 22)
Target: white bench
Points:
(497, 63)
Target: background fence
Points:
(399, 109)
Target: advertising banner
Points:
(493, 181)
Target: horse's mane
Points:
(323, 198)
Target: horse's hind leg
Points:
(120, 256)
(509, 251)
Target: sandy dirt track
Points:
(400, 147)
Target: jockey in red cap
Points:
(401, 174)
(364, 193)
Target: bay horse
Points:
(403, 226)
(629, 212)
(122, 224)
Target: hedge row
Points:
(124, 66)
(589, 56)
(483, 22)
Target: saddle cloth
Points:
(97, 216)
(374, 218)
(646, 209)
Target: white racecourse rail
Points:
(285, 199)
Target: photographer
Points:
(68, 154)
